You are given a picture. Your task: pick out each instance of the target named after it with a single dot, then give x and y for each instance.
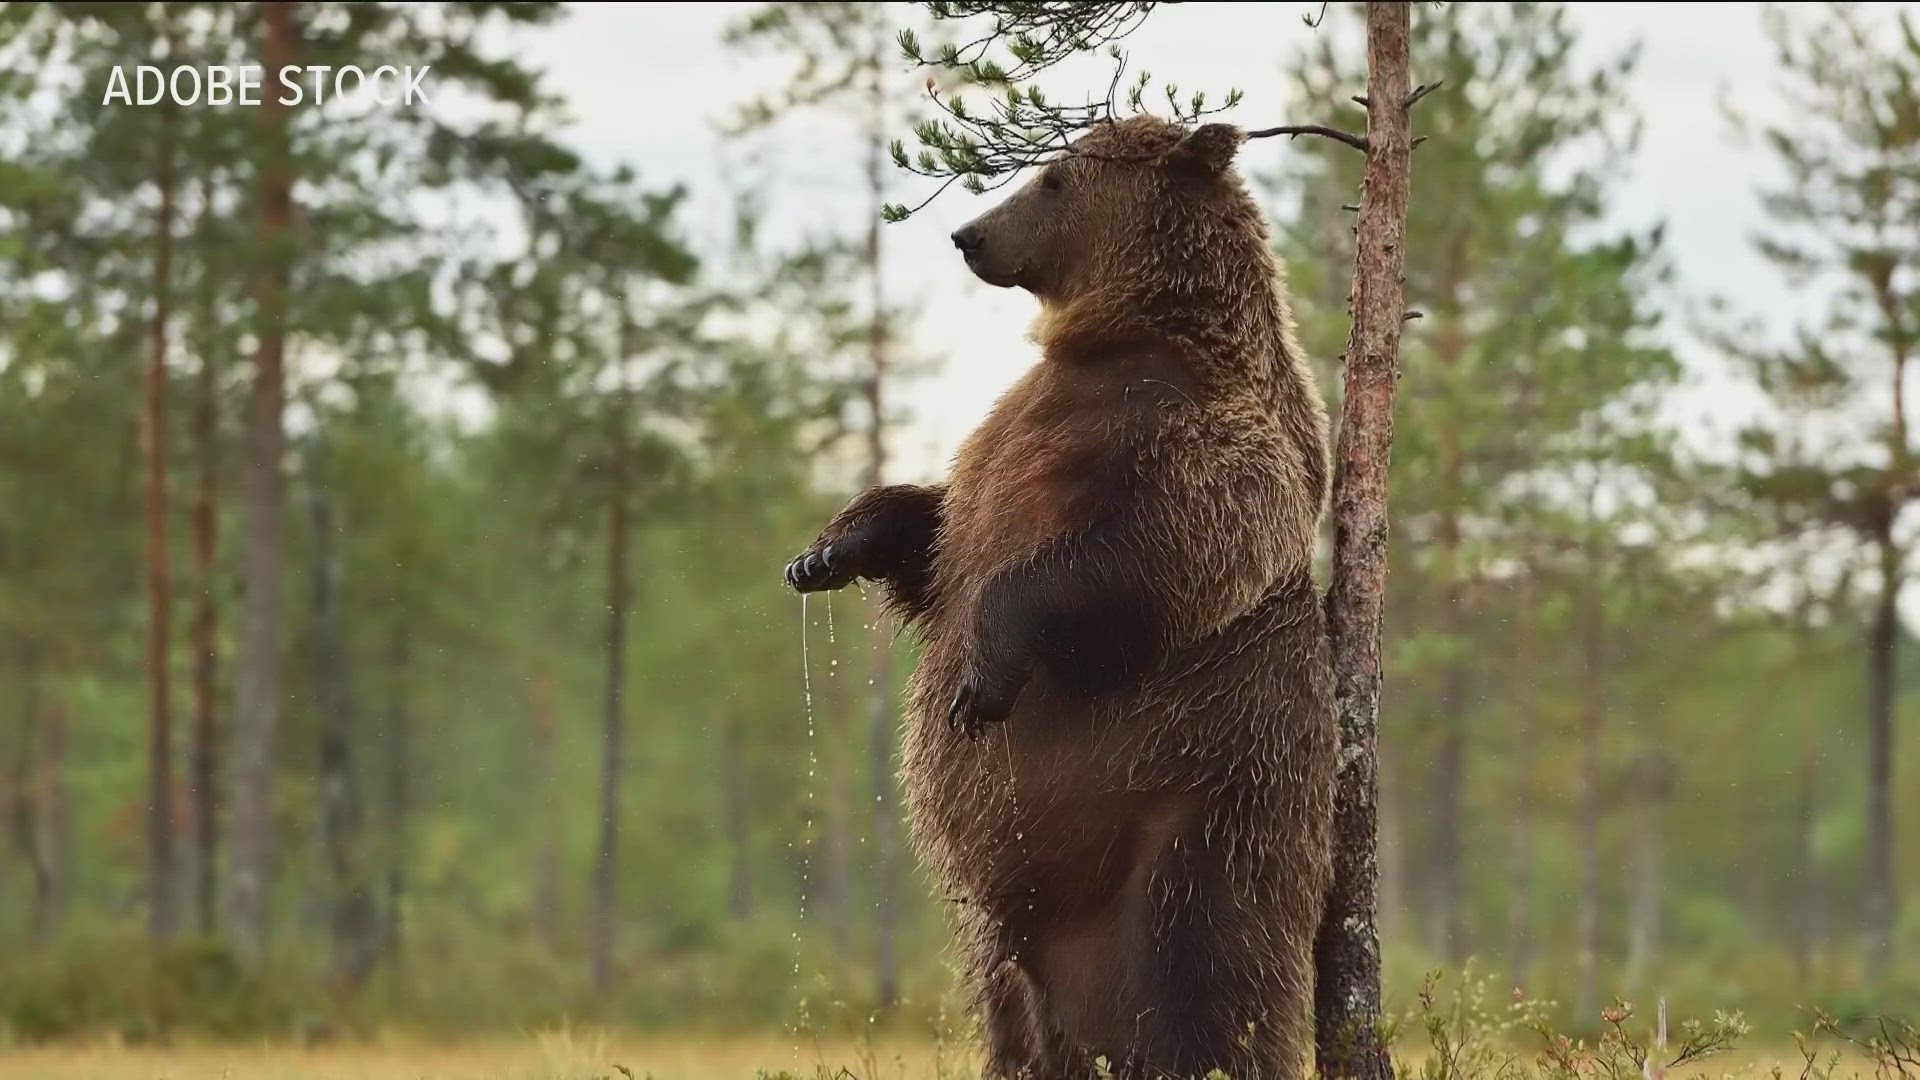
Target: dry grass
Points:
(556, 1056)
(577, 1056)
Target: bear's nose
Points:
(967, 238)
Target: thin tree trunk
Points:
(1879, 895)
(1447, 935)
(204, 754)
(53, 829)
(614, 735)
(1520, 840)
(1644, 923)
(1592, 720)
(257, 676)
(881, 730)
(161, 894)
(1446, 931)
(546, 864)
(349, 909)
(733, 794)
(399, 787)
(836, 876)
(22, 802)
(1807, 885)
(1393, 852)
(1350, 1040)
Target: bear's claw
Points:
(816, 570)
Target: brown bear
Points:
(1121, 746)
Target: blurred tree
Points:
(845, 53)
(1842, 222)
(314, 280)
(1531, 146)
(606, 294)
(256, 710)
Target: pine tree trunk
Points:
(1593, 715)
(257, 666)
(161, 894)
(614, 734)
(881, 723)
(204, 753)
(399, 785)
(22, 803)
(52, 824)
(349, 907)
(1394, 854)
(1446, 933)
(546, 863)
(733, 794)
(1807, 886)
(836, 877)
(1349, 1039)
(1879, 894)
(1520, 840)
(1644, 923)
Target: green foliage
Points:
(1020, 127)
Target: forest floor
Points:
(575, 1057)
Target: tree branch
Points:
(1358, 142)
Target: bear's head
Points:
(1132, 202)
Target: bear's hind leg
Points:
(1218, 982)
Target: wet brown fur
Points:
(1120, 746)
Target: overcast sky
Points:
(647, 83)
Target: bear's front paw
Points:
(980, 701)
(820, 568)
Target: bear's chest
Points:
(1051, 456)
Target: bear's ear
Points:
(1207, 150)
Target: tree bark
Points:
(349, 906)
(204, 753)
(614, 733)
(399, 785)
(257, 675)
(161, 895)
(1879, 894)
(1350, 1040)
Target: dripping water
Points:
(813, 766)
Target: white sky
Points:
(647, 84)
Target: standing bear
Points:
(1121, 746)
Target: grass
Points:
(1473, 1036)
(554, 1056)
(588, 1057)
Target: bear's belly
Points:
(1054, 805)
